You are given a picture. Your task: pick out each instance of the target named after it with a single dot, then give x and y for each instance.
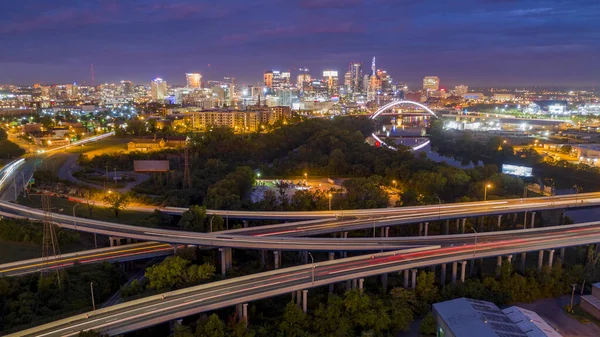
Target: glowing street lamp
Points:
(330, 195)
(394, 182)
(485, 191)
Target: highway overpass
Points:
(112, 254)
(156, 309)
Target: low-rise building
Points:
(146, 144)
(464, 317)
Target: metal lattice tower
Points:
(50, 247)
(187, 179)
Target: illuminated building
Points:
(193, 80)
(431, 83)
(356, 77)
(330, 77)
(285, 79)
(303, 79)
(268, 79)
(504, 97)
(127, 88)
(158, 89)
(461, 90)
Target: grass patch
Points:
(64, 206)
(581, 315)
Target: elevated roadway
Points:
(153, 310)
(113, 254)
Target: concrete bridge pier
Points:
(331, 258)
(550, 257)
(114, 241)
(304, 301)
(276, 257)
(472, 268)
(405, 278)
(426, 228)
(499, 225)
(361, 284)
(414, 278)
(223, 262)
(464, 221)
(463, 268)
(499, 261)
(447, 227)
(304, 256)
(457, 225)
(532, 219)
(443, 275)
(540, 259)
(263, 258)
(384, 282)
(454, 270)
(420, 229)
(245, 313)
(509, 259)
(562, 254)
(523, 261)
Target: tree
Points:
(194, 219)
(175, 272)
(180, 330)
(211, 327)
(428, 325)
(331, 319)
(427, 292)
(167, 274)
(294, 322)
(116, 202)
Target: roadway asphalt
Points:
(172, 305)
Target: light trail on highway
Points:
(172, 305)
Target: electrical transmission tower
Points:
(49, 240)
(187, 180)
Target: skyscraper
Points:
(431, 83)
(158, 89)
(193, 80)
(330, 77)
(268, 79)
(356, 77)
(285, 79)
(303, 78)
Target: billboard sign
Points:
(515, 170)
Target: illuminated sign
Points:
(521, 171)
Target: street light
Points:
(485, 191)
(475, 246)
(74, 217)
(92, 292)
(313, 268)
(394, 182)
(306, 177)
(329, 195)
(572, 295)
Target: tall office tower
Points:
(461, 90)
(72, 90)
(431, 83)
(268, 79)
(127, 88)
(158, 89)
(373, 68)
(285, 79)
(330, 77)
(356, 75)
(193, 80)
(303, 78)
(277, 79)
(348, 81)
(365, 83)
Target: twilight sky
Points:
(477, 42)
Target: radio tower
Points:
(49, 240)
(92, 73)
(187, 180)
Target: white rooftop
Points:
(468, 317)
(530, 322)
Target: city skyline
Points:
(478, 43)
